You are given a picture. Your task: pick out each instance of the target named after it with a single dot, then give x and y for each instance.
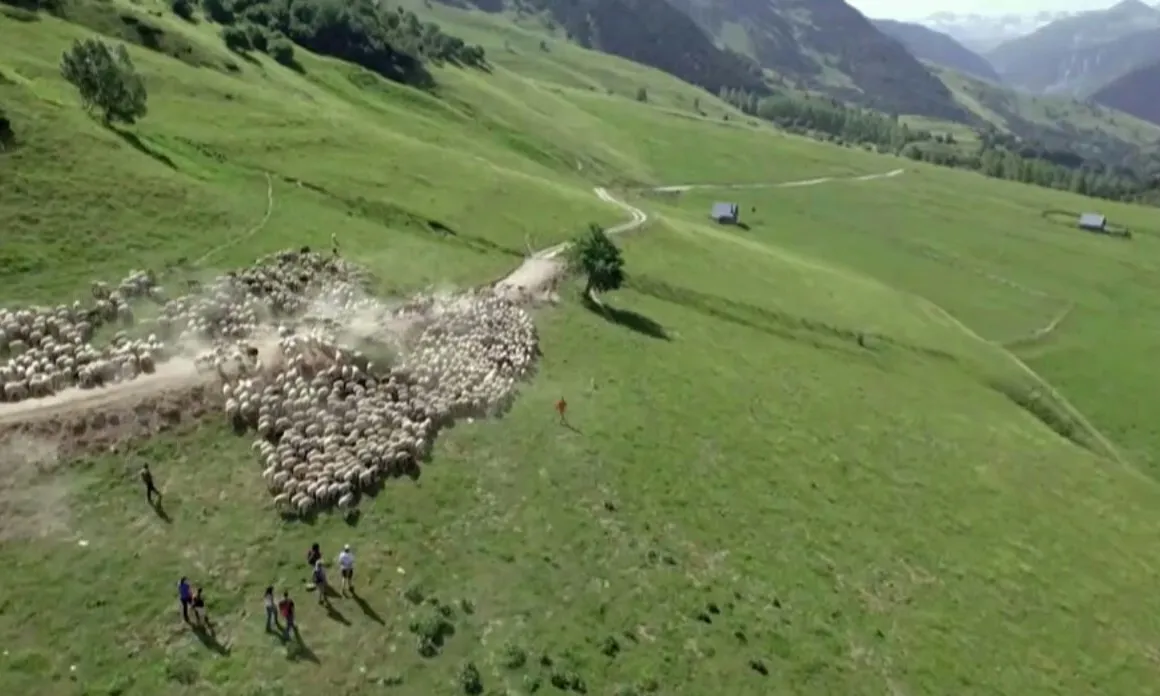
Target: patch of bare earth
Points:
(33, 500)
(78, 421)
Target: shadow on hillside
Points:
(625, 317)
(141, 146)
(400, 219)
(775, 323)
(1051, 414)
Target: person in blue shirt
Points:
(185, 596)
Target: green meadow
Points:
(889, 436)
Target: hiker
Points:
(286, 606)
(150, 488)
(334, 243)
(314, 555)
(346, 569)
(199, 609)
(271, 610)
(562, 408)
(185, 596)
(320, 582)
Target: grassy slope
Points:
(863, 520)
(1054, 113)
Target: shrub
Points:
(281, 49)
(183, 9)
(513, 657)
(259, 40)
(470, 680)
(6, 134)
(236, 38)
(106, 80)
(219, 11)
(431, 632)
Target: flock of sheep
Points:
(340, 389)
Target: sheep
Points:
(329, 420)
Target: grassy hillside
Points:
(807, 456)
(1089, 129)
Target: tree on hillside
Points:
(106, 80)
(594, 255)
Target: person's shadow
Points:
(207, 637)
(366, 609)
(334, 614)
(299, 651)
(159, 510)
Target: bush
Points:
(281, 49)
(219, 11)
(106, 80)
(6, 134)
(183, 9)
(514, 657)
(259, 40)
(236, 38)
(470, 680)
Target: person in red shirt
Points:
(286, 607)
(562, 408)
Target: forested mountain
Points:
(826, 46)
(1137, 93)
(1081, 53)
(938, 48)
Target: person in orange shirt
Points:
(562, 408)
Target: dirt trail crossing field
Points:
(178, 391)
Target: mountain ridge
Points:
(829, 47)
(1136, 93)
(1079, 54)
(982, 33)
(937, 47)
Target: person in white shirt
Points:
(346, 569)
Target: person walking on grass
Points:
(199, 609)
(185, 596)
(286, 606)
(346, 569)
(562, 409)
(150, 487)
(320, 582)
(271, 610)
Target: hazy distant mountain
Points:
(982, 33)
(938, 48)
(1137, 93)
(1079, 54)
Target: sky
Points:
(915, 9)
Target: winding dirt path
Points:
(537, 275)
(248, 233)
